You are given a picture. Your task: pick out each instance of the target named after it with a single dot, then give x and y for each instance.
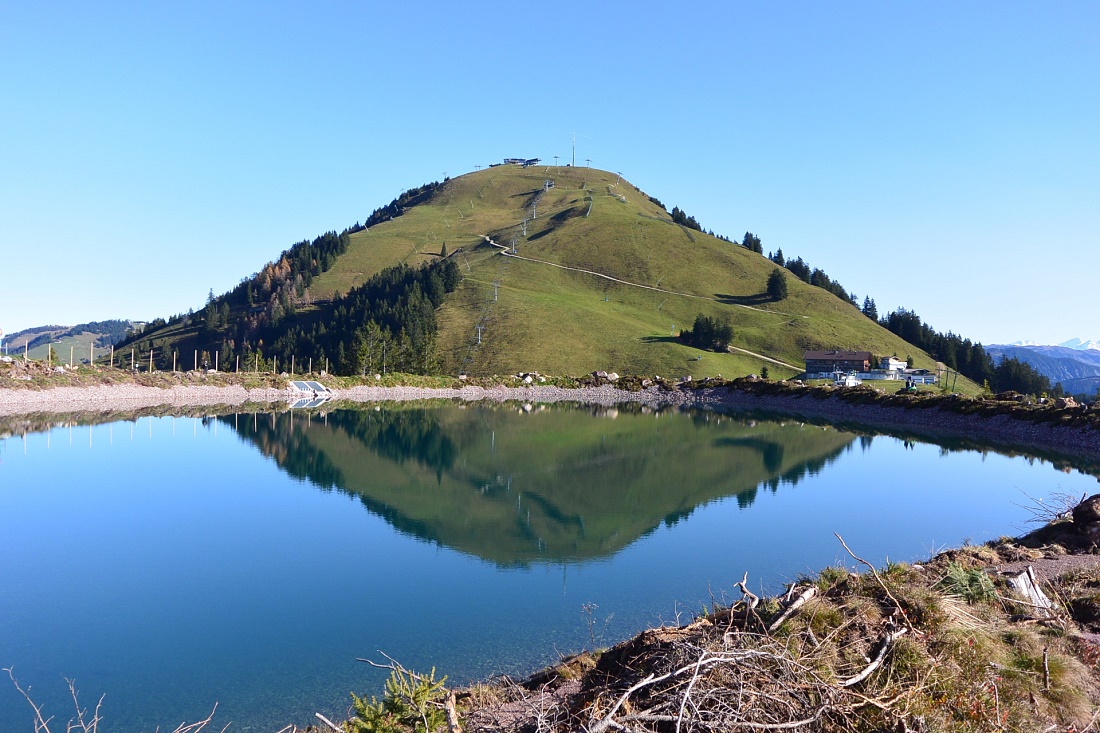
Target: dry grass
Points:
(949, 664)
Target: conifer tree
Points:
(777, 285)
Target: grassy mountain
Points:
(36, 341)
(602, 278)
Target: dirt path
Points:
(506, 253)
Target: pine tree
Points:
(870, 309)
(777, 285)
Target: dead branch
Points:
(196, 727)
(329, 723)
(798, 603)
(884, 647)
(85, 726)
(41, 724)
(877, 578)
(706, 659)
(753, 599)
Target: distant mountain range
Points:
(1074, 343)
(1075, 364)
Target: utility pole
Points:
(555, 161)
(588, 162)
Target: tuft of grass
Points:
(971, 584)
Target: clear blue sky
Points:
(942, 157)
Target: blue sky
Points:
(941, 157)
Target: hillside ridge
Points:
(559, 270)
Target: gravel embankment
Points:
(126, 397)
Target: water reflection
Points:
(516, 486)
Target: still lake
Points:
(249, 559)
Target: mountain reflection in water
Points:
(521, 485)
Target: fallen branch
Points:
(607, 721)
(798, 603)
(329, 723)
(887, 642)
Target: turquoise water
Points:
(169, 563)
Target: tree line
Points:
(968, 358)
(256, 319)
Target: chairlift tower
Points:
(555, 161)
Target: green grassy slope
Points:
(76, 345)
(536, 316)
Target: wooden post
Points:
(150, 359)
(311, 366)
(215, 361)
(196, 360)
(91, 354)
(112, 356)
(132, 360)
(238, 366)
(26, 347)
(292, 365)
(274, 370)
(71, 356)
(174, 355)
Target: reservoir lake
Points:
(249, 559)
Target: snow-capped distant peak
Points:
(1080, 345)
(1025, 343)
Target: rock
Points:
(1064, 402)
(613, 376)
(1087, 512)
(528, 379)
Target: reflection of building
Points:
(826, 363)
